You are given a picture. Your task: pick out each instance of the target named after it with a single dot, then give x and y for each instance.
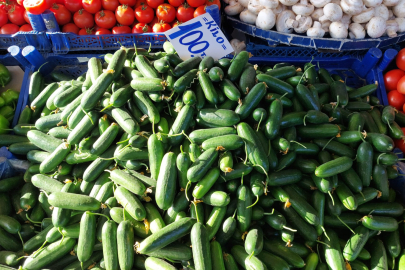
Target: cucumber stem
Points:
(258, 125)
(107, 107)
(323, 229)
(323, 243)
(257, 200)
(186, 190)
(289, 229)
(32, 221)
(98, 214)
(345, 224)
(195, 206)
(124, 141)
(251, 255)
(269, 214)
(19, 235)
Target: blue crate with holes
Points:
(63, 43)
(37, 39)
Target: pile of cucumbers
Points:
(150, 162)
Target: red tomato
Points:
(144, 14)
(213, 2)
(92, 6)
(3, 17)
(154, 3)
(70, 28)
(20, 2)
(175, 24)
(105, 19)
(62, 14)
(86, 31)
(161, 27)
(36, 6)
(60, 1)
(155, 20)
(391, 79)
(199, 11)
(125, 15)
(83, 19)
(130, 3)
(399, 143)
(103, 31)
(176, 3)
(122, 29)
(401, 85)
(396, 99)
(196, 3)
(16, 15)
(141, 28)
(110, 4)
(7, 4)
(26, 18)
(401, 59)
(140, 3)
(166, 13)
(185, 13)
(73, 5)
(25, 28)
(9, 29)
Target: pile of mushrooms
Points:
(339, 18)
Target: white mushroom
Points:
(390, 3)
(325, 26)
(286, 21)
(234, 8)
(226, 1)
(266, 19)
(338, 30)
(304, 23)
(356, 31)
(255, 6)
(320, 3)
(247, 17)
(331, 12)
(240, 47)
(303, 8)
(346, 20)
(364, 17)
(376, 27)
(391, 15)
(316, 30)
(399, 9)
(372, 3)
(401, 24)
(317, 14)
(288, 2)
(279, 9)
(352, 7)
(269, 3)
(392, 28)
(381, 11)
(244, 3)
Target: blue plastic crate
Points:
(22, 39)
(63, 43)
(309, 42)
(8, 60)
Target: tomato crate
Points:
(63, 43)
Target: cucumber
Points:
(272, 261)
(338, 89)
(356, 243)
(334, 167)
(40, 101)
(254, 241)
(166, 182)
(215, 118)
(378, 253)
(278, 248)
(183, 67)
(166, 236)
(251, 100)
(207, 87)
(11, 183)
(131, 203)
(128, 181)
(152, 263)
(109, 240)
(244, 259)
(73, 201)
(50, 254)
(117, 214)
(380, 181)
(87, 237)
(201, 247)
(277, 85)
(229, 89)
(244, 213)
(389, 209)
(125, 121)
(333, 254)
(181, 123)
(46, 183)
(379, 223)
(36, 85)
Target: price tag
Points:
(200, 36)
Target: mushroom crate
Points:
(341, 19)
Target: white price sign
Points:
(200, 36)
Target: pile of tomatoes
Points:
(394, 81)
(13, 18)
(99, 17)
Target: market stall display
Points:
(203, 164)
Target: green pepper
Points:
(2, 102)
(7, 112)
(4, 125)
(10, 96)
(5, 76)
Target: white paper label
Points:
(200, 36)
